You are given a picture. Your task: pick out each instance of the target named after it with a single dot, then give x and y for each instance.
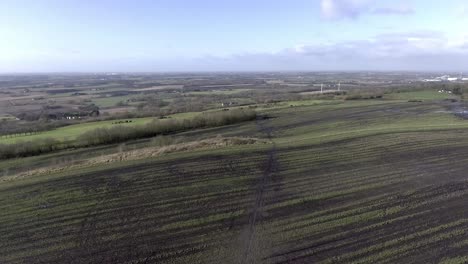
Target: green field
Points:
(375, 181)
(111, 101)
(6, 117)
(71, 132)
(219, 92)
(420, 95)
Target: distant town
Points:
(448, 78)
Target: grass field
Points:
(219, 92)
(342, 182)
(6, 117)
(71, 132)
(420, 95)
(110, 101)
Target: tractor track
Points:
(270, 168)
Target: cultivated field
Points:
(333, 181)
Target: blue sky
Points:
(233, 35)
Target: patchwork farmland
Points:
(338, 182)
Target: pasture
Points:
(6, 117)
(107, 102)
(71, 132)
(421, 95)
(219, 92)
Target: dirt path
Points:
(253, 242)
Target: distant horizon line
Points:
(220, 72)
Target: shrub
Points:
(28, 148)
(364, 94)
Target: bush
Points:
(28, 148)
(364, 95)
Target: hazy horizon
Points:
(233, 36)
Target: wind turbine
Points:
(321, 88)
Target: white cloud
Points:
(462, 11)
(336, 9)
(351, 9)
(391, 46)
(397, 10)
(415, 51)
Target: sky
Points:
(233, 35)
